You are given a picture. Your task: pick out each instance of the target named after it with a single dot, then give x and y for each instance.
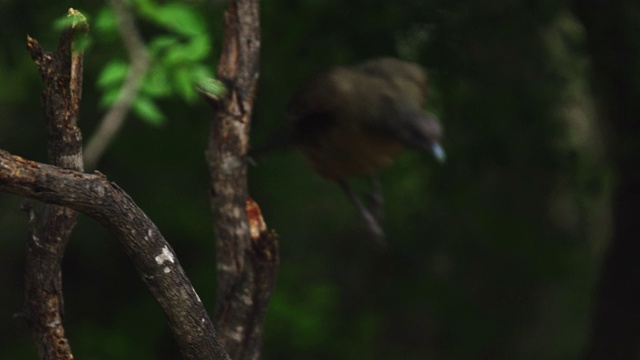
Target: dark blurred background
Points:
(495, 254)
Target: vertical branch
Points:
(51, 226)
(246, 258)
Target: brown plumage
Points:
(351, 121)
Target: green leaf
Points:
(163, 42)
(109, 97)
(147, 110)
(113, 74)
(198, 48)
(188, 79)
(175, 55)
(106, 22)
(156, 83)
(212, 87)
(179, 18)
(145, 7)
(201, 73)
(195, 50)
(185, 84)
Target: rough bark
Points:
(246, 265)
(153, 257)
(51, 227)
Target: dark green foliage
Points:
(492, 255)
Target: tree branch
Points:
(246, 264)
(51, 227)
(114, 118)
(153, 257)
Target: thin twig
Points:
(115, 117)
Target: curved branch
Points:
(156, 262)
(114, 118)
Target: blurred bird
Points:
(353, 121)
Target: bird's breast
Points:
(347, 151)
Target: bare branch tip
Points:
(34, 48)
(78, 20)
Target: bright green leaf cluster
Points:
(177, 57)
(179, 61)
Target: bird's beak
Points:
(438, 152)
